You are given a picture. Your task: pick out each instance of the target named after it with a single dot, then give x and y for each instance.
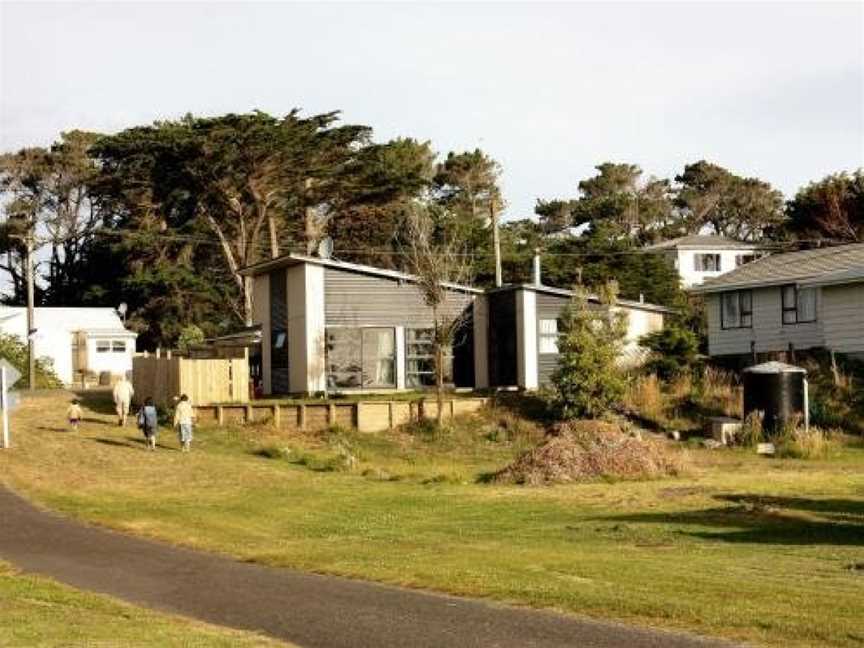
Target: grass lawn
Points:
(36, 612)
(769, 551)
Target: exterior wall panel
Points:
(768, 331)
(357, 300)
(843, 319)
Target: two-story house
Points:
(701, 257)
(802, 300)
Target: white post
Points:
(4, 401)
(806, 406)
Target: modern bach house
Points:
(331, 326)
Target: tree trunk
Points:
(439, 382)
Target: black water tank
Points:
(777, 389)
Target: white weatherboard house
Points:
(77, 340)
(699, 258)
(812, 299)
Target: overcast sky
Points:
(550, 90)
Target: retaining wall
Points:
(365, 416)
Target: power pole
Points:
(496, 244)
(31, 352)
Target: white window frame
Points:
(699, 258)
(547, 336)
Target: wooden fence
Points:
(203, 380)
(365, 416)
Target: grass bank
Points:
(37, 612)
(764, 550)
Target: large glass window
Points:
(736, 309)
(706, 262)
(103, 346)
(799, 304)
(741, 259)
(361, 358)
(420, 359)
(548, 335)
(118, 346)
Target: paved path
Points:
(306, 609)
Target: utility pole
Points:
(31, 330)
(496, 243)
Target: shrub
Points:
(15, 351)
(752, 430)
(189, 336)
(797, 443)
(588, 381)
(673, 352)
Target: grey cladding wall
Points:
(548, 307)
(353, 299)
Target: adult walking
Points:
(123, 393)
(184, 417)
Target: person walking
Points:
(123, 393)
(148, 421)
(74, 414)
(184, 418)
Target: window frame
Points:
(795, 308)
(116, 343)
(742, 312)
(739, 259)
(105, 344)
(541, 336)
(361, 359)
(699, 256)
(427, 357)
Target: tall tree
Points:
(618, 202)
(437, 255)
(737, 207)
(22, 185)
(832, 209)
(373, 197)
(246, 180)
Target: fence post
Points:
(277, 420)
(390, 414)
(220, 415)
(331, 414)
(302, 413)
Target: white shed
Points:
(78, 340)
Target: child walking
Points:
(148, 421)
(74, 414)
(184, 417)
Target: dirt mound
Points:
(587, 450)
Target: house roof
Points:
(100, 319)
(701, 242)
(804, 267)
(297, 259)
(855, 275)
(288, 260)
(563, 292)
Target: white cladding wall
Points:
(114, 361)
(843, 318)
(686, 264)
(639, 323)
(306, 332)
(56, 328)
(768, 331)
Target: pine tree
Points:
(588, 380)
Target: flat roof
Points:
(288, 260)
(563, 292)
(293, 259)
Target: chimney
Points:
(641, 298)
(537, 280)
